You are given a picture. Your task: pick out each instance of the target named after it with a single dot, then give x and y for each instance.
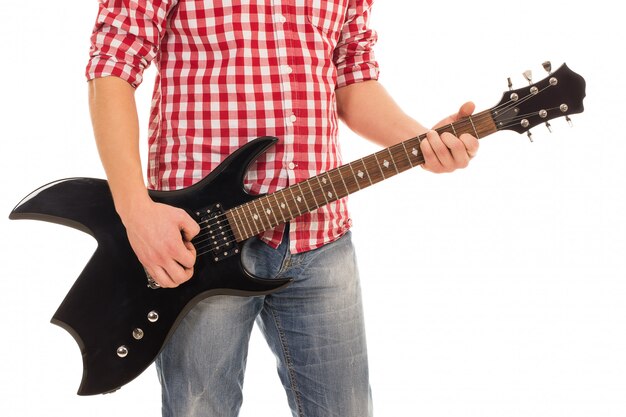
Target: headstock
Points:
(559, 94)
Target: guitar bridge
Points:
(216, 235)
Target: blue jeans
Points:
(314, 327)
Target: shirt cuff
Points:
(104, 66)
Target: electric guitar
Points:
(121, 320)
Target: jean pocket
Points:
(326, 15)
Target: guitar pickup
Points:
(216, 235)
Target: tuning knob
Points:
(547, 66)
(530, 136)
(510, 83)
(528, 74)
(569, 121)
(549, 126)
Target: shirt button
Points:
(281, 18)
(293, 118)
(291, 165)
(286, 69)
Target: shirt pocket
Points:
(327, 15)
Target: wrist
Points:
(129, 205)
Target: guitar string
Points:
(204, 233)
(205, 246)
(460, 124)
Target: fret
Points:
(249, 218)
(294, 200)
(474, 127)
(286, 204)
(400, 157)
(408, 156)
(454, 130)
(345, 186)
(322, 189)
(328, 189)
(303, 197)
(266, 211)
(230, 216)
(279, 206)
(393, 161)
(356, 181)
(309, 182)
(244, 221)
(332, 185)
(416, 151)
(257, 216)
(378, 164)
(366, 172)
(276, 207)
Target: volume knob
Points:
(122, 351)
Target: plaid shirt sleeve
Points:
(354, 54)
(126, 37)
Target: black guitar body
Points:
(119, 322)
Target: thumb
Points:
(188, 227)
(466, 110)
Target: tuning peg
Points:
(530, 136)
(510, 83)
(547, 66)
(528, 74)
(569, 121)
(549, 126)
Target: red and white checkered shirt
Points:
(229, 71)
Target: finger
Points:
(431, 163)
(161, 277)
(440, 149)
(176, 272)
(187, 258)
(471, 144)
(460, 156)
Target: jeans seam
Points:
(289, 364)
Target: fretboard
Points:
(266, 212)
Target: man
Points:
(230, 71)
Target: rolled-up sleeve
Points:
(126, 38)
(354, 54)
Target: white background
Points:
(495, 291)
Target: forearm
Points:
(116, 130)
(368, 110)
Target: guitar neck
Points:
(266, 212)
